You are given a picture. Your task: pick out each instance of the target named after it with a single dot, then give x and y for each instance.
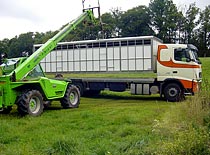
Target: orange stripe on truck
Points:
(170, 63)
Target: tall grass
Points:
(186, 127)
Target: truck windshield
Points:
(182, 55)
(194, 53)
(186, 55)
(194, 56)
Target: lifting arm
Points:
(28, 65)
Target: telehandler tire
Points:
(30, 102)
(71, 98)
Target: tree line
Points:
(161, 18)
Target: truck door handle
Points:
(175, 72)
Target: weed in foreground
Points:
(63, 147)
(186, 127)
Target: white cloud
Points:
(43, 15)
(12, 9)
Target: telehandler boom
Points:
(22, 81)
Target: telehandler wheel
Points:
(30, 102)
(173, 93)
(71, 98)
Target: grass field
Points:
(115, 124)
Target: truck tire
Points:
(71, 98)
(30, 102)
(173, 93)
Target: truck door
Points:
(184, 68)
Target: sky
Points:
(22, 16)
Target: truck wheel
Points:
(30, 102)
(173, 93)
(71, 98)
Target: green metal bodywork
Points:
(51, 89)
(21, 74)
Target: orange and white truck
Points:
(177, 66)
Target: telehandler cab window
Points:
(9, 65)
(35, 73)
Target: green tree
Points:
(39, 38)
(13, 47)
(190, 22)
(4, 46)
(109, 25)
(180, 27)
(23, 43)
(136, 22)
(158, 17)
(117, 16)
(84, 31)
(172, 21)
(164, 19)
(204, 29)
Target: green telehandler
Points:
(23, 82)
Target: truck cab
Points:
(179, 64)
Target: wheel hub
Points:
(34, 105)
(73, 98)
(172, 92)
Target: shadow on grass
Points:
(126, 96)
(106, 95)
(14, 113)
(52, 107)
